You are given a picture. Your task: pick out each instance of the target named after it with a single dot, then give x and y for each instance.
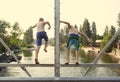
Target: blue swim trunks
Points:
(40, 36)
(73, 40)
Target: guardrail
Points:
(61, 65)
(57, 64)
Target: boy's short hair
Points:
(41, 19)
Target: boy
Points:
(41, 34)
(73, 40)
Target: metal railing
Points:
(61, 65)
(57, 64)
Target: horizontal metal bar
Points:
(26, 65)
(61, 65)
(90, 64)
(60, 79)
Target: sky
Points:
(28, 12)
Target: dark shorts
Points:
(40, 36)
(73, 40)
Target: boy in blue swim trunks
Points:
(41, 34)
(73, 40)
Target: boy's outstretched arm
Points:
(48, 24)
(69, 26)
(34, 26)
(84, 36)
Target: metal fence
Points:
(57, 64)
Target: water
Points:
(28, 58)
(88, 58)
(48, 58)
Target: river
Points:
(48, 58)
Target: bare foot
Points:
(67, 63)
(45, 50)
(76, 63)
(36, 61)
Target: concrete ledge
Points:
(60, 79)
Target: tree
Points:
(28, 37)
(106, 31)
(93, 31)
(80, 28)
(3, 26)
(119, 19)
(3, 34)
(81, 38)
(119, 24)
(112, 30)
(99, 37)
(86, 30)
(66, 31)
(76, 26)
(66, 35)
(62, 36)
(107, 37)
(16, 32)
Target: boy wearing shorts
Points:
(41, 34)
(73, 40)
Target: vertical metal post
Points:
(57, 26)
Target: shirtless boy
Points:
(73, 40)
(41, 34)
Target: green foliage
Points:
(3, 26)
(93, 32)
(16, 32)
(118, 20)
(3, 33)
(27, 53)
(106, 31)
(105, 41)
(51, 42)
(10, 34)
(28, 37)
(76, 26)
(98, 37)
(106, 38)
(87, 31)
(118, 24)
(86, 28)
(63, 35)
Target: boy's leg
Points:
(36, 54)
(38, 45)
(76, 53)
(68, 56)
(45, 48)
(69, 44)
(76, 44)
(46, 41)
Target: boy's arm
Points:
(48, 24)
(69, 26)
(84, 36)
(34, 26)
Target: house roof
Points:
(98, 41)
